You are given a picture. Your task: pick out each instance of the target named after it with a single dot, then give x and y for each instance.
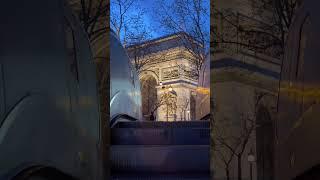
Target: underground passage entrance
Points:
(160, 150)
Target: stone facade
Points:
(235, 87)
(170, 64)
(238, 77)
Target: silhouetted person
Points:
(152, 118)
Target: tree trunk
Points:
(227, 173)
(239, 168)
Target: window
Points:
(71, 51)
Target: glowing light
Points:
(203, 90)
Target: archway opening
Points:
(264, 143)
(149, 96)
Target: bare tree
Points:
(264, 30)
(131, 30)
(228, 145)
(119, 15)
(170, 101)
(186, 18)
(223, 154)
(93, 15)
(128, 25)
(184, 108)
(142, 57)
(281, 16)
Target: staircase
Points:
(161, 150)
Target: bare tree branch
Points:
(186, 19)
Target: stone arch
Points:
(146, 73)
(264, 143)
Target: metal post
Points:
(251, 159)
(250, 171)
(167, 112)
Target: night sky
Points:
(148, 6)
(151, 24)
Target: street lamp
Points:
(188, 112)
(251, 159)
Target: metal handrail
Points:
(206, 117)
(117, 117)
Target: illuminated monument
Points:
(168, 84)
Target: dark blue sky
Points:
(151, 23)
(148, 19)
(148, 5)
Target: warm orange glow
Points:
(308, 92)
(203, 90)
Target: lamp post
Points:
(167, 113)
(188, 112)
(251, 159)
(192, 106)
